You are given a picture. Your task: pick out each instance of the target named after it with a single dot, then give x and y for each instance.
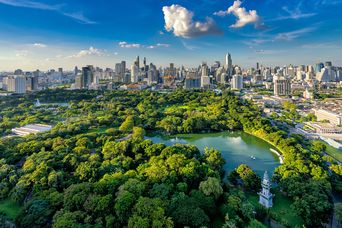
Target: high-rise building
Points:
(118, 69)
(18, 72)
(205, 81)
(87, 76)
(76, 70)
(319, 67)
(123, 69)
(192, 83)
(282, 87)
(152, 74)
(204, 70)
(237, 82)
(328, 64)
(192, 80)
(229, 64)
(79, 81)
(34, 82)
(16, 84)
(134, 73)
(324, 75)
(221, 75)
(145, 66)
(137, 62)
(170, 71)
(300, 75)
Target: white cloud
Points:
(180, 20)
(39, 45)
(124, 44)
(243, 16)
(88, 52)
(29, 4)
(319, 3)
(78, 16)
(189, 47)
(295, 13)
(288, 36)
(320, 46)
(158, 46)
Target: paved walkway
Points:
(124, 138)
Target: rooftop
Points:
(31, 129)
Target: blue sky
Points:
(50, 33)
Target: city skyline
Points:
(52, 34)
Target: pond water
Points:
(236, 148)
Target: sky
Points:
(47, 34)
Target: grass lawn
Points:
(281, 207)
(333, 152)
(9, 208)
(98, 130)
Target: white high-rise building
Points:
(134, 73)
(237, 82)
(204, 69)
(16, 84)
(205, 81)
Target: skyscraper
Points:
(137, 62)
(123, 69)
(319, 67)
(87, 76)
(78, 81)
(229, 64)
(145, 67)
(134, 73)
(76, 70)
(118, 69)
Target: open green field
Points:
(281, 209)
(98, 130)
(335, 153)
(10, 208)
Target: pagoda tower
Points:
(266, 197)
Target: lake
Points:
(236, 148)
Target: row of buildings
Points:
(283, 81)
(20, 83)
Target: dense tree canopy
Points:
(95, 168)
